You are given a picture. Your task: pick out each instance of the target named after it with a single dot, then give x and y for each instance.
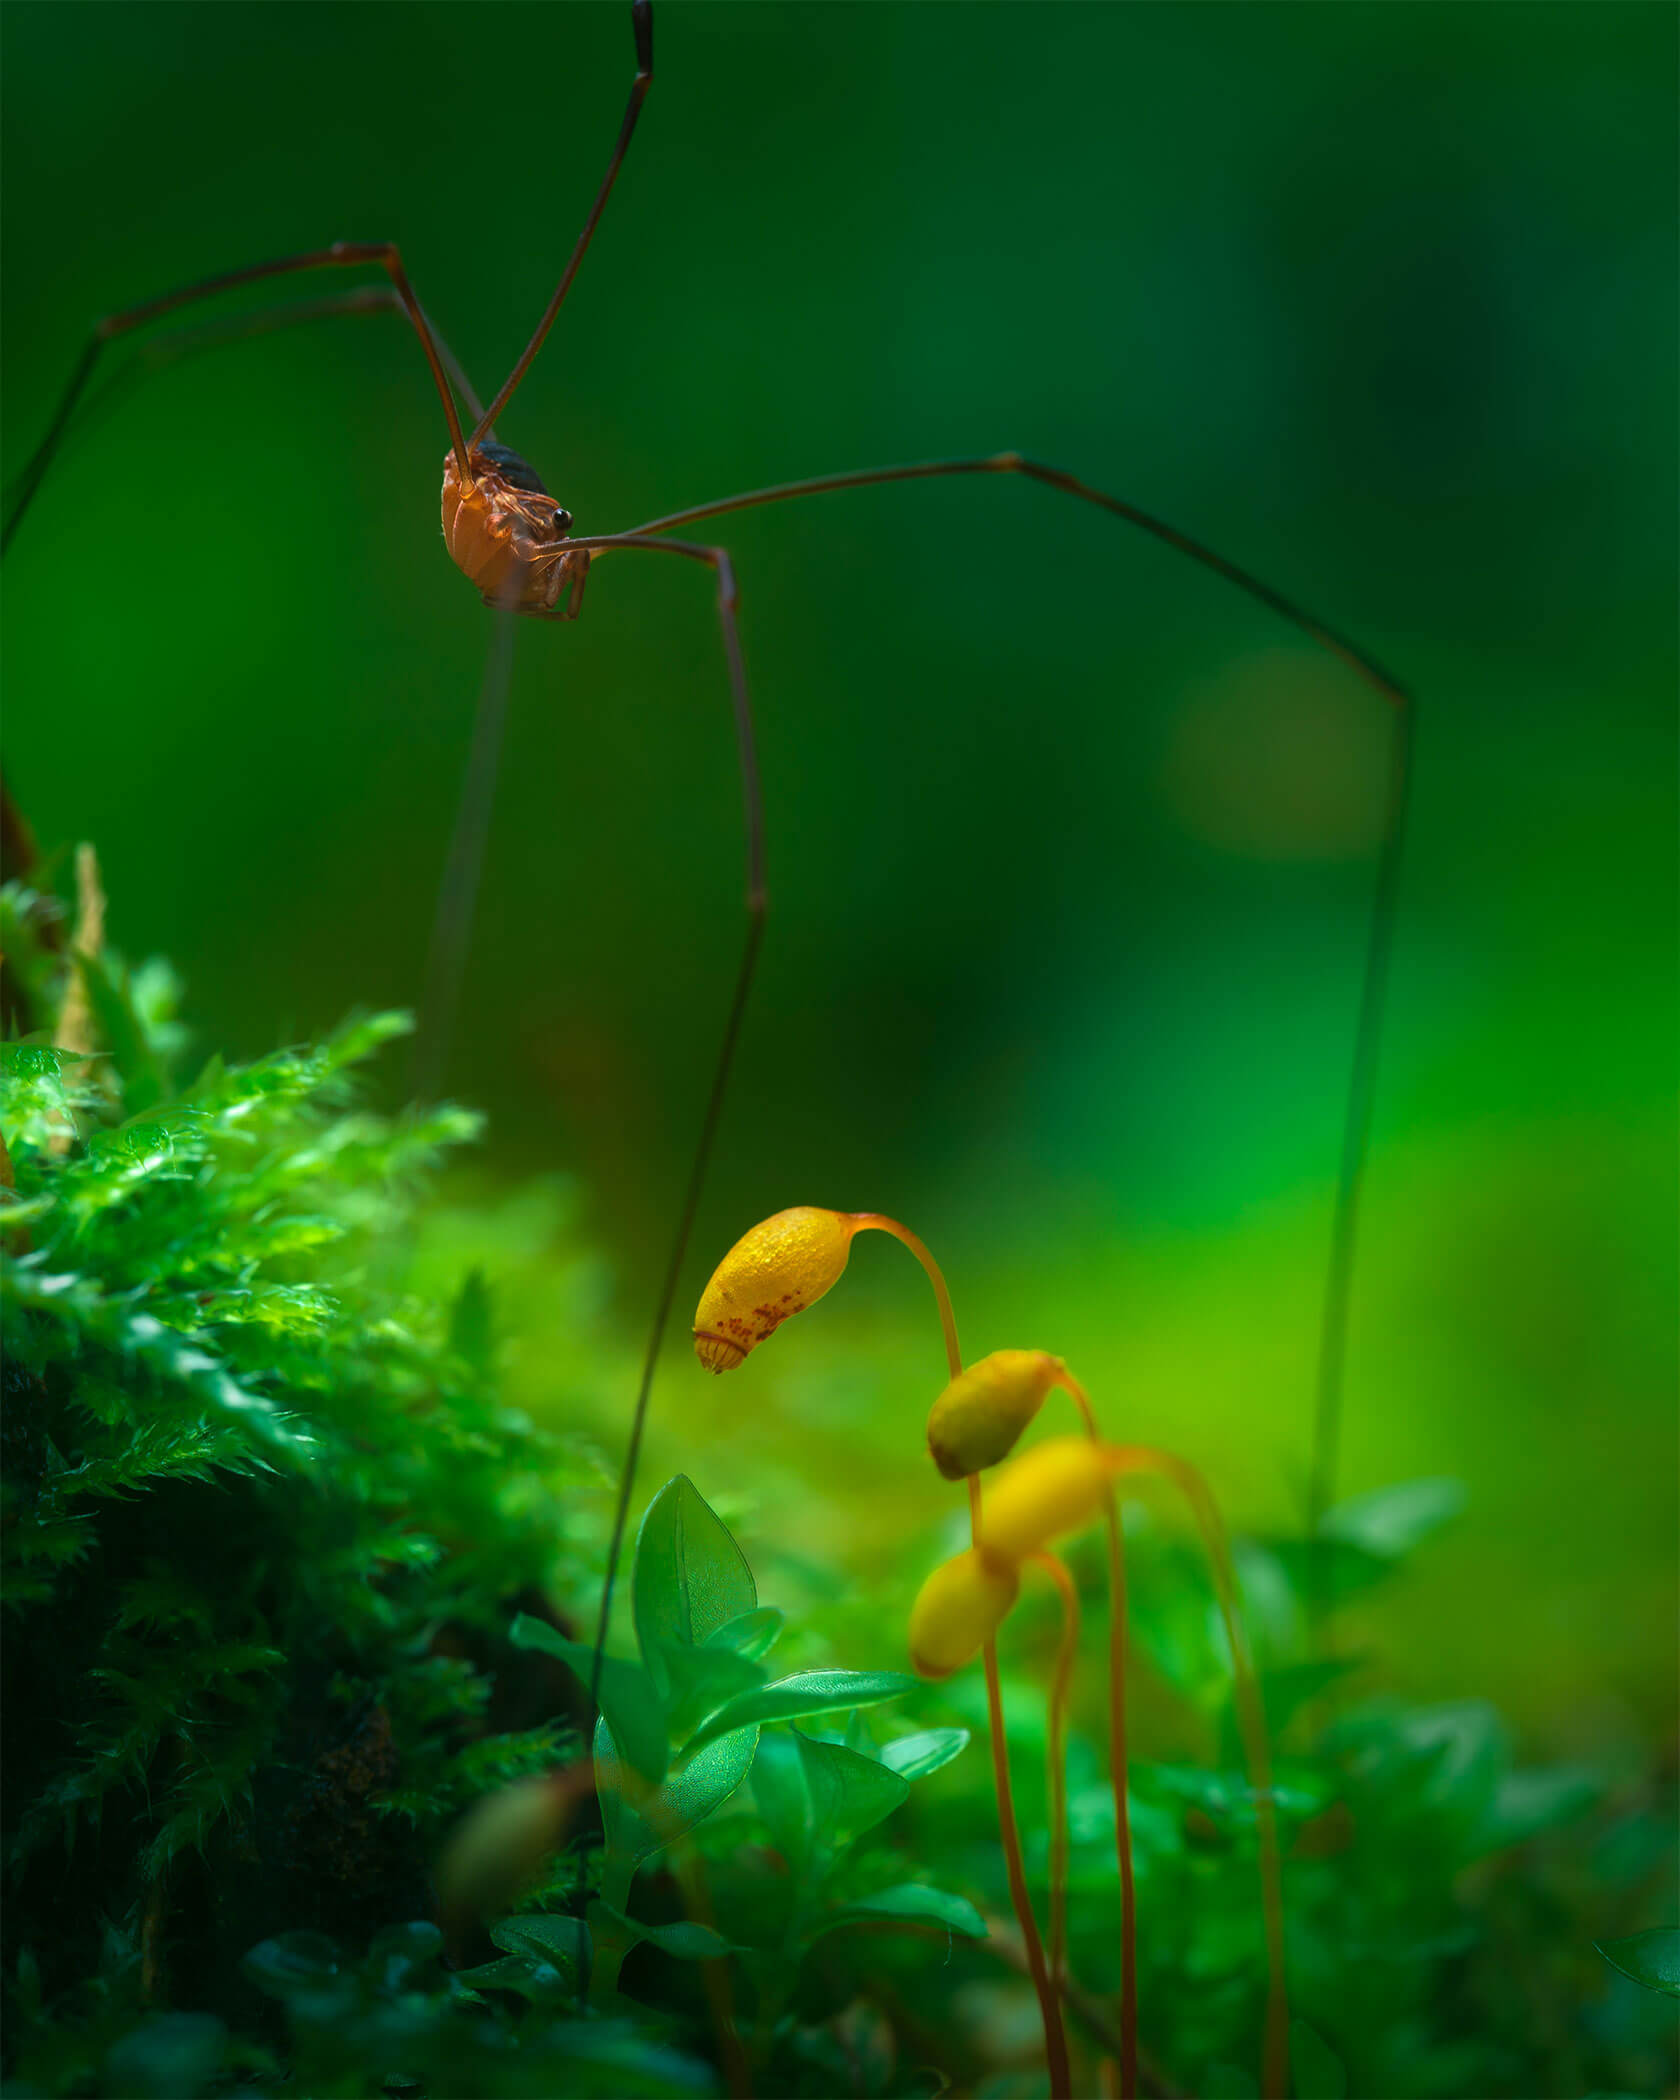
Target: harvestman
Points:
(509, 536)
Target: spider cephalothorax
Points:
(507, 534)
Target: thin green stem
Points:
(1067, 1654)
(1356, 1139)
(1117, 1760)
(1251, 1723)
(611, 1942)
(1049, 2003)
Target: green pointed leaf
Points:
(849, 1794)
(690, 1577)
(910, 1900)
(1316, 2067)
(686, 1940)
(701, 1783)
(750, 1633)
(817, 1797)
(633, 1709)
(1390, 1521)
(1650, 1958)
(808, 1692)
(627, 1836)
(539, 1981)
(915, 1756)
(636, 1828)
(783, 1798)
(700, 1680)
(561, 1943)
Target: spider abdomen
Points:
(505, 532)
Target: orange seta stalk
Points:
(876, 1221)
(1251, 1723)
(1049, 2000)
(1117, 1761)
(1067, 1653)
(1049, 2003)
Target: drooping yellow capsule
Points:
(1057, 1486)
(769, 1274)
(958, 1609)
(977, 1419)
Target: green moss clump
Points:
(266, 1519)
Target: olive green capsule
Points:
(1055, 1487)
(774, 1271)
(979, 1416)
(958, 1609)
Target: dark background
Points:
(1070, 845)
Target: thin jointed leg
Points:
(342, 255)
(446, 957)
(346, 254)
(757, 905)
(452, 921)
(1384, 905)
(641, 21)
(176, 345)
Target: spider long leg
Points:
(641, 21)
(717, 559)
(1379, 940)
(446, 957)
(342, 255)
(176, 345)
(452, 922)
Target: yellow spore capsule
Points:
(1057, 1486)
(958, 1609)
(977, 1419)
(769, 1274)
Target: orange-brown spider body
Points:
(507, 535)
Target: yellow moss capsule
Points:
(776, 1270)
(979, 1416)
(1055, 1487)
(959, 1608)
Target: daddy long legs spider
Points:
(547, 574)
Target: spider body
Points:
(507, 535)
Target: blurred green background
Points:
(1069, 844)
